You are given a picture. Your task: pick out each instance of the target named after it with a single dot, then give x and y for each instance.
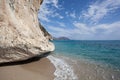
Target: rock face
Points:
(21, 35)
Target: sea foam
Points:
(63, 70)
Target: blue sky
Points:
(81, 19)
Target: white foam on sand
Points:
(63, 70)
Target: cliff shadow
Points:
(33, 59)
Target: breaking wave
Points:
(63, 70)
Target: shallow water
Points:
(73, 69)
(87, 60)
(63, 70)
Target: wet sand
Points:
(42, 69)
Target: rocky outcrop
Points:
(21, 35)
(46, 34)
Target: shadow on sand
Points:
(33, 59)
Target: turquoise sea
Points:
(102, 51)
(90, 59)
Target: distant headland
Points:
(61, 38)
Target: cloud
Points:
(57, 15)
(67, 13)
(83, 28)
(55, 3)
(99, 10)
(73, 15)
(85, 32)
(61, 24)
(48, 10)
(58, 32)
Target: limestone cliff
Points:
(21, 35)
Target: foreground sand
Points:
(42, 69)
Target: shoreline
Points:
(54, 67)
(63, 71)
(41, 69)
(73, 69)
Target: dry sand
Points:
(42, 69)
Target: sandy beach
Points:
(42, 69)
